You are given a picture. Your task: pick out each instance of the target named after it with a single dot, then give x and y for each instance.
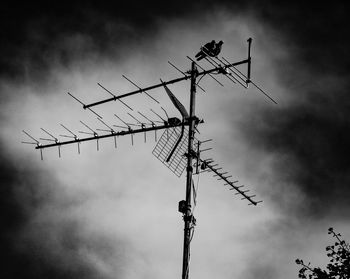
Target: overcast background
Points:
(113, 213)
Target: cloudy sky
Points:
(113, 213)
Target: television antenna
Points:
(177, 148)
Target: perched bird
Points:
(211, 49)
(208, 47)
(217, 49)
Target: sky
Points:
(113, 213)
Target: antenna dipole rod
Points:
(84, 106)
(144, 91)
(115, 97)
(249, 59)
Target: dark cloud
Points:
(38, 236)
(310, 134)
(35, 33)
(19, 197)
(311, 141)
(316, 31)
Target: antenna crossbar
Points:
(120, 133)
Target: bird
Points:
(217, 49)
(208, 47)
(211, 49)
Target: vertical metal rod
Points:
(249, 59)
(198, 154)
(188, 214)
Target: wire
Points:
(195, 190)
(200, 79)
(192, 233)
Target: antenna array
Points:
(177, 148)
(211, 166)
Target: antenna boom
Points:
(120, 133)
(165, 83)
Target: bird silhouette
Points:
(211, 49)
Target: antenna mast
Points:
(188, 217)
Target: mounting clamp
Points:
(191, 219)
(182, 207)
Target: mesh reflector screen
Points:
(165, 145)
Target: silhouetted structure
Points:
(178, 148)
